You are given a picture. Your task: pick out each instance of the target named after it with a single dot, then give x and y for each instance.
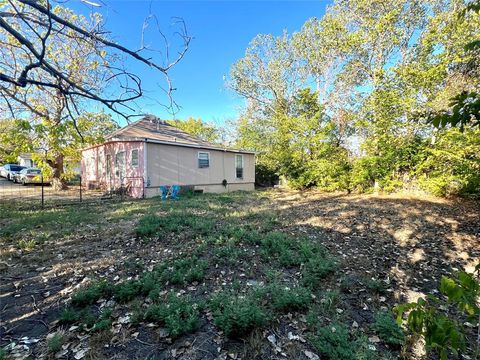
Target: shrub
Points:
(179, 315)
(387, 328)
(237, 316)
(444, 332)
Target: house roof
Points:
(152, 129)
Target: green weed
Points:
(387, 329)
(284, 299)
(173, 222)
(317, 269)
(377, 286)
(148, 225)
(26, 244)
(92, 293)
(127, 290)
(237, 316)
(55, 342)
(334, 343)
(69, 316)
(183, 271)
(104, 320)
(179, 315)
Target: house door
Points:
(120, 167)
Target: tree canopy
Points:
(382, 72)
(56, 66)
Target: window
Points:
(135, 158)
(239, 166)
(120, 164)
(203, 160)
(109, 165)
(100, 165)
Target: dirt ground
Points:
(406, 242)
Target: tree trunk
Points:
(57, 166)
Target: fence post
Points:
(80, 188)
(43, 195)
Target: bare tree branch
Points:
(42, 72)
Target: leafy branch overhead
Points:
(465, 107)
(34, 35)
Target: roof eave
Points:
(163, 142)
(206, 147)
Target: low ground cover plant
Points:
(265, 276)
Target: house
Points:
(150, 153)
(25, 159)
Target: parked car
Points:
(29, 176)
(8, 171)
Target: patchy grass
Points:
(224, 271)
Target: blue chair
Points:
(174, 190)
(164, 192)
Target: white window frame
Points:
(131, 158)
(243, 166)
(198, 159)
(108, 164)
(118, 171)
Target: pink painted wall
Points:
(96, 160)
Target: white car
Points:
(8, 171)
(28, 176)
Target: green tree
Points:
(47, 119)
(464, 108)
(205, 131)
(377, 66)
(56, 147)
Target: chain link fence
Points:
(43, 194)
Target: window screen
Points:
(203, 160)
(135, 157)
(239, 166)
(109, 165)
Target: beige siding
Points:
(176, 165)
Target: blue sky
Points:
(222, 31)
